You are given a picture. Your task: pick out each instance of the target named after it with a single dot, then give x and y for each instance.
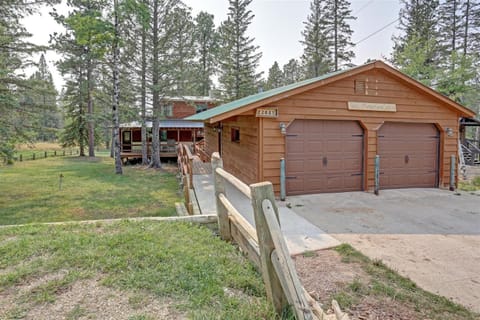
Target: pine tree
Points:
(166, 32)
(206, 44)
(292, 72)
(15, 54)
(89, 35)
(337, 14)
(416, 51)
(316, 56)
(275, 77)
(238, 56)
(44, 95)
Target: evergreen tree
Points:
(89, 36)
(238, 56)
(44, 95)
(275, 77)
(292, 72)
(337, 14)
(206, 45)
(316, 56)
(419, 41)
(15, 54)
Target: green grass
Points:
(386, 283)
(183, 262)
(473, 185)
(30, 191)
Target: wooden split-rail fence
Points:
(265, 245)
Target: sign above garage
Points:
(267, 113)
(367, 106)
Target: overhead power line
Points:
(377, 31)
(363, 7)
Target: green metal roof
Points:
(210, 113)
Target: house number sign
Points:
(267, 112)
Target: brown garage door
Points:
(408, 155)
(324, 156)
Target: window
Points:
(201, 107)
(163, 135)
(167, 110)
(360, 87)
(235, 135)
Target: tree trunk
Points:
(91, 127)
(112, 144)
(144, 98)
(335, 30)
(116, 93)
(156, 92)
(467, 21)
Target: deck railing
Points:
(185, 166)
(265, 244)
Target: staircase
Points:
(471, 153)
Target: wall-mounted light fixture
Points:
(283, 128)
(449, 131)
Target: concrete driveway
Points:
(431, 236)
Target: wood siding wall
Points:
(211, 139)
(330, 103)
(241, 158)
(183, 109)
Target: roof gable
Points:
(260, 99)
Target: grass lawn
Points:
(125, 270)
(473, 185)
(30, 191)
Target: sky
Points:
(276, 27)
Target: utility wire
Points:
(363, 7)
(378, 31)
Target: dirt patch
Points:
(325, 277)
(87, 299)
(323, 273)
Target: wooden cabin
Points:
(173, 129)
(171, 133)
(329, 130)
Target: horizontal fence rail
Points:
(265, 245)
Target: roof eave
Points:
(290, 93)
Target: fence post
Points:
(21, 158)
(45, 154)
(377, 174)
(261, 191)
(283, 192)
(222, 212)
(33, 156)
(453, 161)
(55, 153)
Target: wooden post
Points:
(453, 162)
(45, 154)
(55, 153)
(222, 212)
(377, 174)
(283, 192)
(21, 158)
(190, 166)
(261, 191)
(33, 156)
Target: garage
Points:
(408, 155)
(330, 129)
(323, 156)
